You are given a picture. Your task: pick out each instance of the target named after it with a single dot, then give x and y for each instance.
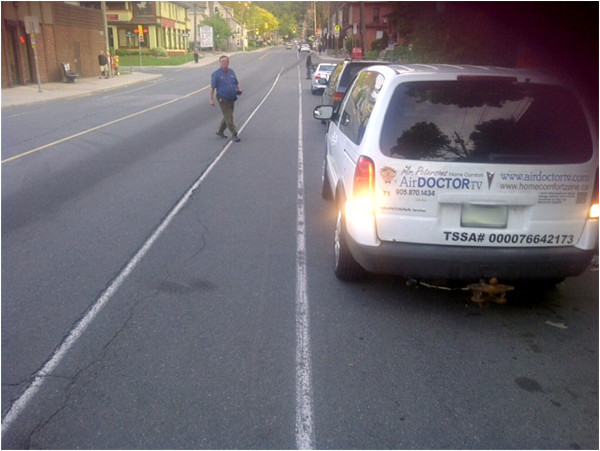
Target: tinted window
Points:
(358, 108)
(350, 72)
(486, 121)
(335, 74)
(326, 67)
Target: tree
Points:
(463, 33)
(288, 26)
(269, 17)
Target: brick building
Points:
(65, 33)
(361, 22)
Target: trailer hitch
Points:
(489, 292)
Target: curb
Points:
(30, 94)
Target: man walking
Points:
(103, 63)
(224, 81)
(308, 66)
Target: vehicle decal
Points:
(522, 239)
(490, 178)
(421, 181)
(552, 188)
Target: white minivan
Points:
(461, 172)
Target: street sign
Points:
(206, 36)
(32, 25)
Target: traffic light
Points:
(22, 39)
(140, 30)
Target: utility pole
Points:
(104, 21)
(315, 19)
(32, 27)
(363, 30)
(195, 28)
(329, 26)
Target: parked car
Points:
(340, 79)
(320, 77)
(447, 172)
(305, 48)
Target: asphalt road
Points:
(163, 288)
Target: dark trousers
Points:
(227, 109)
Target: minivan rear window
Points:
(486, 121)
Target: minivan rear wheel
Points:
(346, 268)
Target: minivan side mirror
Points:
(323, 112)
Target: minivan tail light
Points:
(595, 207)
(364, 185)
(337, 96)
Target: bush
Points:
(401, 54)
(129, 52)
(352, 42)
(380, 44)
(158, 51)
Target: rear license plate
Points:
(493, 216)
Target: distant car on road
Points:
(305, 48)
(288, 45)
(320, 77)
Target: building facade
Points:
(199, 11)
(361, 23)
(61, 32)
(163, 24)
(76, 32)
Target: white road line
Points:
(75, 334)
(305, 435)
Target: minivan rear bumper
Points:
(459, 263)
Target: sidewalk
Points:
(30, 94)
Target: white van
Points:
(459, 172)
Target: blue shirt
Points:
(225, 83)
